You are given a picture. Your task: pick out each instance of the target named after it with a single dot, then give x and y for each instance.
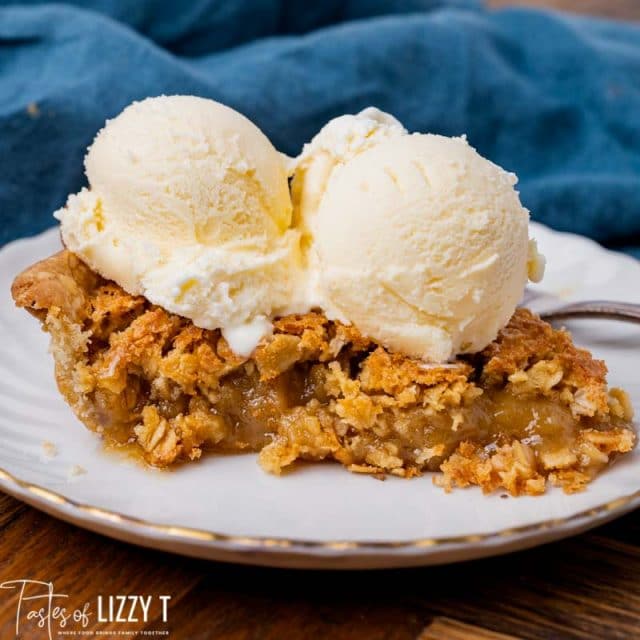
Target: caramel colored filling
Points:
(251, 411)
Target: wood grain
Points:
(447, 629)
(80, 564)
(581, 589)
(616, 9)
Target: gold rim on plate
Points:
(190, 534)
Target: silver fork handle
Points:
(595, 309)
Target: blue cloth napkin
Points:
(553, 97)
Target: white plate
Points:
(227, 508)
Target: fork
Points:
(625, 311)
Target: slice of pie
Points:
(530, 407)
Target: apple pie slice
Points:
(530, 408)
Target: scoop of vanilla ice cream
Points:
(189, 206)
(340, 140)
(423, 245)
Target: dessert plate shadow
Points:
(317, 516)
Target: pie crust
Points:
(530, 409)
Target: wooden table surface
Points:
(587, 587)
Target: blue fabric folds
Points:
(552, 97)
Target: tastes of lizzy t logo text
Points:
(38, 605)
